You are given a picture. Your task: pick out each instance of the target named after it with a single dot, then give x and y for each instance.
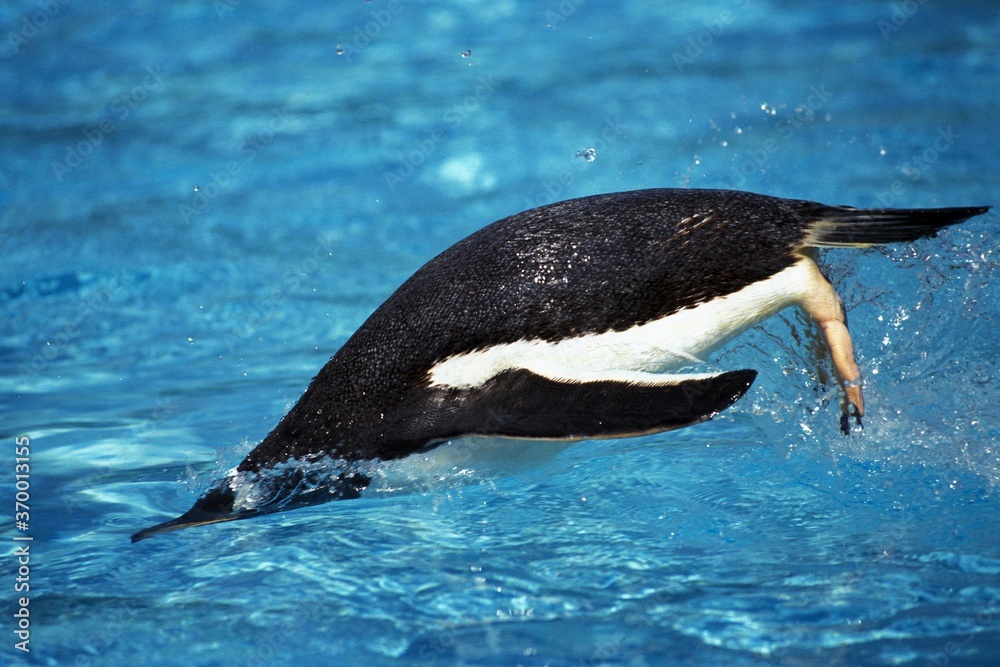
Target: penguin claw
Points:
(850, 410)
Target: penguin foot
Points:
(850, 410)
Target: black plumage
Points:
(586, 266)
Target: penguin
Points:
(564, 322)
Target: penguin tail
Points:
(845, 227)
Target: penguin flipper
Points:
(523, 404)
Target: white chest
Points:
(635, 354)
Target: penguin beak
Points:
(215, 506)
(282, 493)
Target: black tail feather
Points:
(852, 227)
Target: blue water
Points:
(200, 202)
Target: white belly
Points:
(644, 352)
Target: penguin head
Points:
(241, 495)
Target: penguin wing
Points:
(520, 403)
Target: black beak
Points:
(214, 507)
(286, 493)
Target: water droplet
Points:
(466, 53)
(339, 50)
(196, 188)
(589, 154)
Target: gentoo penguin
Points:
(563, 322)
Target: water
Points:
(199, 203)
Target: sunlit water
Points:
(154, 332)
